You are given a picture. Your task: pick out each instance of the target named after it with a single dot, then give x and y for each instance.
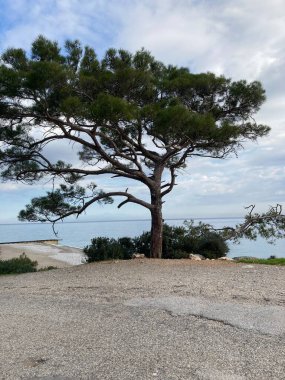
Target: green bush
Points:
(173, 243)
(212, 246)
(18, 265)
(128, 246)
(142, 243)
(45, 269)
(178, 243)
(103, 248)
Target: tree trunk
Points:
(156, 230)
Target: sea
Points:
(79, 234)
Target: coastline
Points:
(45, 254)
(78, 234)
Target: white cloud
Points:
(8, 186)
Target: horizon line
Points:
(117, 220)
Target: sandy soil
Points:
(44, 254)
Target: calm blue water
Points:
(79, 234)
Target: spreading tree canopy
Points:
(131, 115)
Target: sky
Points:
(240, 39)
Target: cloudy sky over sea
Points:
(242, 39)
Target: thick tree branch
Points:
(171, 184)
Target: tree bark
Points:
(156, 229)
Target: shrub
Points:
(178, 243)
(142, 243)
(17, 265)
(45, 269)
(174, 245)
(103, 248)
(212, 246)
(128, 246)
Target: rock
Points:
(225, 258)
(192, 256)
(138, 256)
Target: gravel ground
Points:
(144, 319)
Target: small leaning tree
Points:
(128, 115)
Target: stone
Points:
(138, 256)
(195, 257)
(226, 258)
